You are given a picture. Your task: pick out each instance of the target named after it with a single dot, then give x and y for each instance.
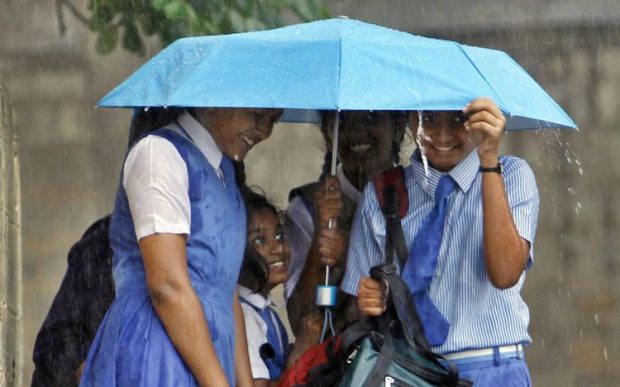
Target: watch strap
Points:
(495, 169)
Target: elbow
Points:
(164, 292)
(503, 282)
(505, 272)
(502, 277)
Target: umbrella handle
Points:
(326, 294)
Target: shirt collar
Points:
(346, 186)
(201, 137)
(463, 173)
(254, 298)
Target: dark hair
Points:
(146, 120)
(398, 123)
(254, 270)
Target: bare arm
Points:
(242, 359)
(178, 306)
(505, 252)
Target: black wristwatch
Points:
(495, 169)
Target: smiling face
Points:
(365, 141)
(446, 142)
(236, 131)
(266, 237)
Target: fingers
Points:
(328, 209)
(332, 246)
(330, 188)
(486, 122)
(484, 115)
(483, 104)
(371, 296)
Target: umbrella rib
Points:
(497, 96)
(339, 68)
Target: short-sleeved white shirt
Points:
(256, 330)
(156, 181)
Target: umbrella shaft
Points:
(335, 143)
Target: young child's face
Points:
(446, 142)
(265, 235)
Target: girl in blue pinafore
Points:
(178, 233)
(265, 266)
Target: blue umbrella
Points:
(337, 64)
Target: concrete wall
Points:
(71, 154)
(10, 248)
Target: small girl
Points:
(265, 265)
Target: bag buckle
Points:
(351, 357)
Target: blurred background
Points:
(55, 68)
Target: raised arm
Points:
(505, 251)
(178, 306)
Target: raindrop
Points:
(542, 343)
(605, 353)
(571, 190)
(570, 348)
(578, 208)
(596, 319)
(581, 334)
(419, 136)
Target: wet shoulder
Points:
(513, 164)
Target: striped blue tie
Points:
(420, 267)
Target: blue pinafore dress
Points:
(275, 351)
(131, 347)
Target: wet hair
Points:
(254, 272)
(148, 120)
(399, 121)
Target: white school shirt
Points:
(256, 330)
(156, 181)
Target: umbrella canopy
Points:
(336, 64)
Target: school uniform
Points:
(175, 180)
(489, 322)
(267, 339)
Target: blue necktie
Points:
(275, 361)
(420, 267)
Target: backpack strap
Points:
(392, 196)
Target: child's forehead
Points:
(263, 218)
